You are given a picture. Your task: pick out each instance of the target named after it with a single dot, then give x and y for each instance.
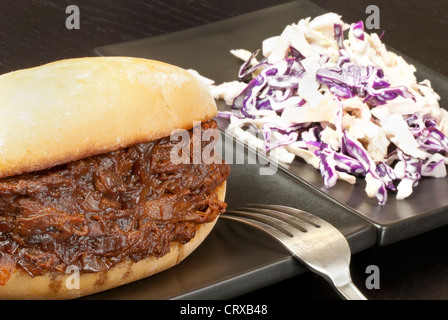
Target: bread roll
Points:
(71, 109)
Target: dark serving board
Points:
(206, 49)
(235, 259)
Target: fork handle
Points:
(350, 292)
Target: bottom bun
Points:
(57, 285)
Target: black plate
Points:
(235, 259)
(206, 49)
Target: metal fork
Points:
(310, 239)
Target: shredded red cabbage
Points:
(299, 76)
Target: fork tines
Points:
(279, 217)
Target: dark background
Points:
(34, 32)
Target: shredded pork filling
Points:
(97, 212)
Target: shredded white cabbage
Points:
(375, 126)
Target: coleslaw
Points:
(348, 107)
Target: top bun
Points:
(71, 109)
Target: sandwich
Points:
(90, 197)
